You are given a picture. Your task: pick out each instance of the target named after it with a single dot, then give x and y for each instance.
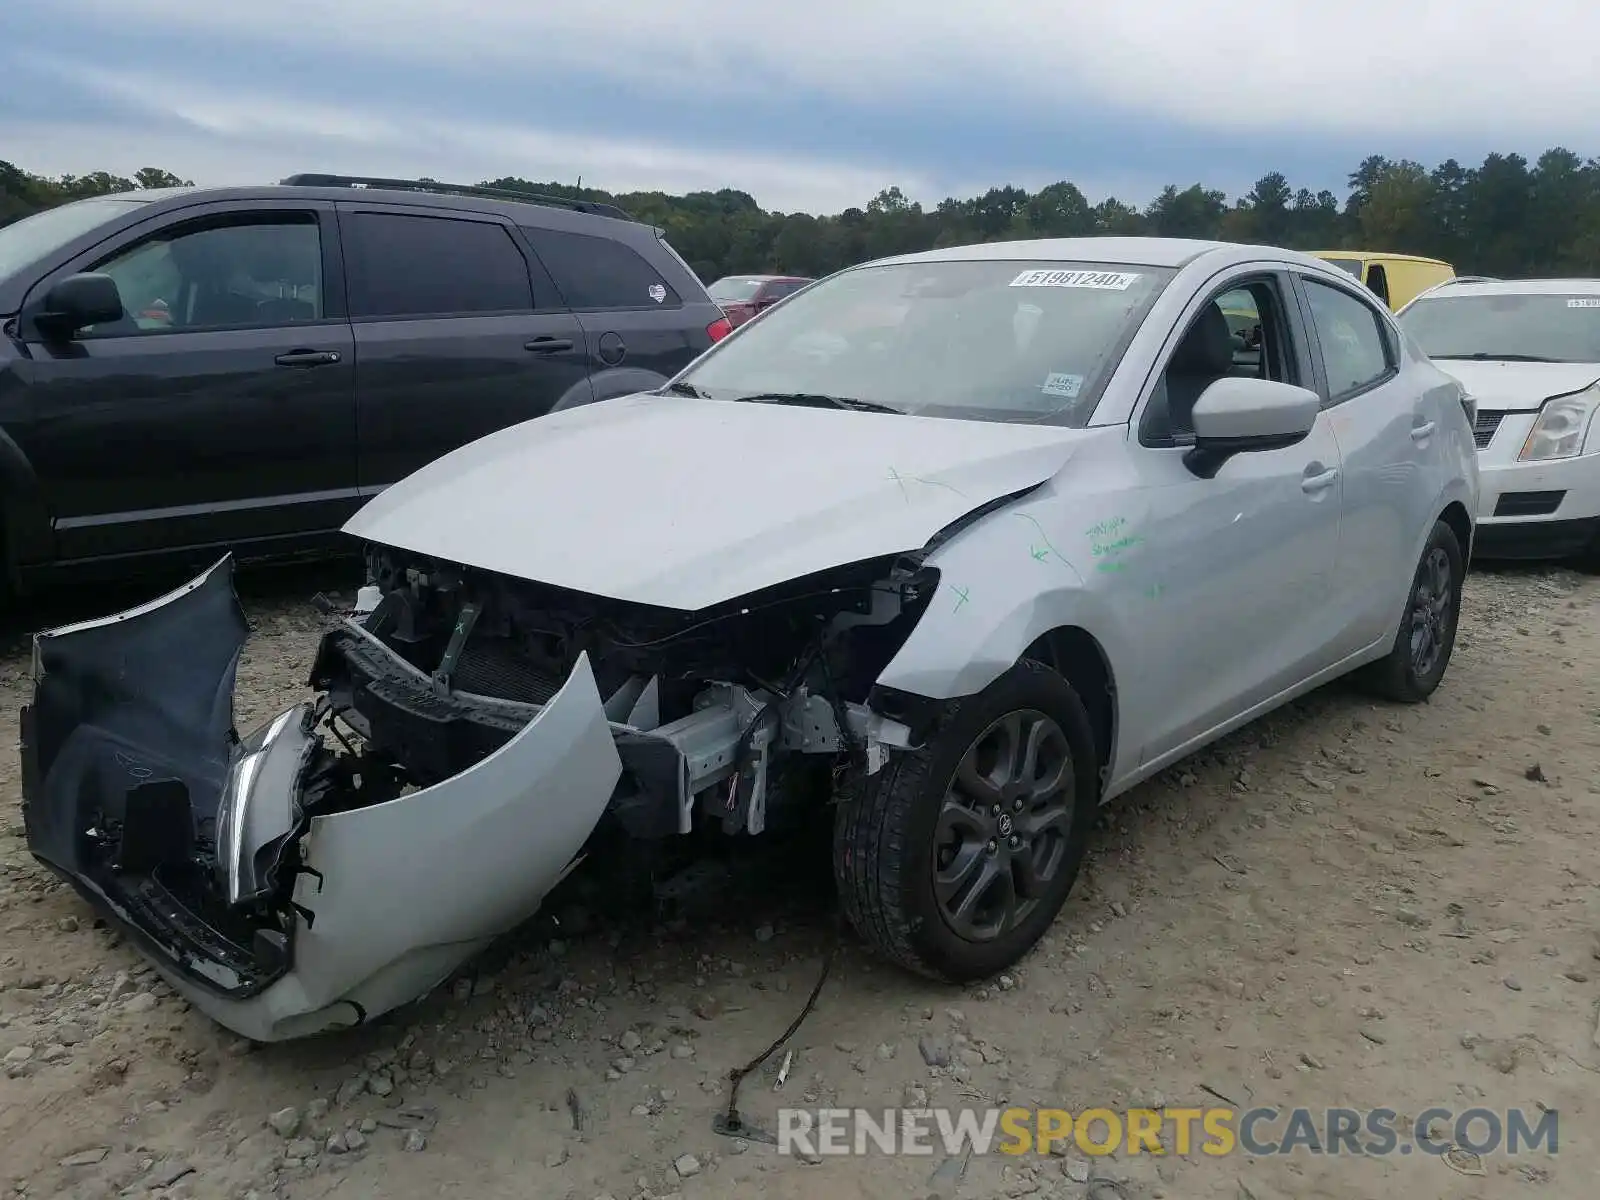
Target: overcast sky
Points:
(807, 104)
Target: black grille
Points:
(496, 667)
(1483, 429)
(1528, 504)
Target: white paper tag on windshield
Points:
(1057, 384)
(1585, 302)
(1115, 281)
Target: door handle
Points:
(548, 345)
(307, 358)
(1312, 484)
(1419, 433)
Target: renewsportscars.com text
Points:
(1212, 1131)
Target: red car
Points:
(743, 296)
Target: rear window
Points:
(990, 341)
(412, 266)
(595, 272)
(1543, 328)
(1351, 266)
(33, 238)
(735, 289)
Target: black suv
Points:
(188, 369)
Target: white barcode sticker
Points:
(1057, 384)
(1115, 281)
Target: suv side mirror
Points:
(1241, 415)
(77, 301)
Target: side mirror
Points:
(1241, 415)
(77, 301)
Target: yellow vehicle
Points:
(1395, 279)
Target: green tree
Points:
(1502, 217)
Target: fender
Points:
(23, 513)
(1458, 491)
(975, 628)
(609, 384)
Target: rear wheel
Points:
(954, 859)
(1426, 638)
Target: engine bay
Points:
(712, 711)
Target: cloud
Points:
(1346, 67)
(813, 106)
(227, 135)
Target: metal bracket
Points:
(738, 1127)
(452, 652)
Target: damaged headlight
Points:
(260, 804)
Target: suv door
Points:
(220, 408)
(641, 327)
(1243, 605)
(1393, 450)
(455, 336)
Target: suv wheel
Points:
(954, 859)
(1427, 635)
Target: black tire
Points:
(1416, 662)
(885, 835)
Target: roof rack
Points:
(457, 189)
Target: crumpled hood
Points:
(1518, 386)
(683, 503)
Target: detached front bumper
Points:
(253, 884)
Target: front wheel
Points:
(955, 858)
(1426, 638)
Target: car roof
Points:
(1385, 254)
(1122, 251)
(1520, 287)
(435, 196)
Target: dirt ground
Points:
(1345, 904)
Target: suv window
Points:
(257, 271)
(1355, 349)
(1378, 281)
(420, 266)
(30, 239)
(595, 272)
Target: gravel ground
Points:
(1344, 904)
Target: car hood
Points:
(1518, 386)
(684, 503)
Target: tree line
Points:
(1505, 217)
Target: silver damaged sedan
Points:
(948, 549)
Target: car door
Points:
(1392, 445)
(456, 337)
(639, 326)
(1241, 606)
(220, 409)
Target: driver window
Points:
(236, 275)
(1239, 332)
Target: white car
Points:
(1528, 352)
(949, 582)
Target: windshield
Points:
(993, 341)
(1545, 328)
(735, 288)
(1351, 265)
(32, 238)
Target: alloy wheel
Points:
(1001, 836)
